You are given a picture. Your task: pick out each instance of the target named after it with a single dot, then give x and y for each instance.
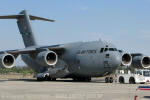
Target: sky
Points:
(125, 23)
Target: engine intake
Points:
(47, 58)
(146, 62)
(126, 59)
(7, 60)
(141, 62)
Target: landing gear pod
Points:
(126, 59)
(47, 58)
(7, 60)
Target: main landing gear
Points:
(46, 78)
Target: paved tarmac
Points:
(30, 89)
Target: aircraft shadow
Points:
(61, 80)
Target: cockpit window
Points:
(115, 49)
(102, 49)
(111, 49)
(106, 49)
(120, 51)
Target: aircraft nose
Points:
(117, 59)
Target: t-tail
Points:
(24, 25)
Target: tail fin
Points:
(23, 21)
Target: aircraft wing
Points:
(30, 50)
(7, 58)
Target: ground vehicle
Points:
(133, 77)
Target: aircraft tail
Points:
(24, 25)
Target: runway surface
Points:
(30, 89)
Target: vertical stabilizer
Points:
(26, 30)
(24, 25)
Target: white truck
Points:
(138, 76)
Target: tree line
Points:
(17, 70)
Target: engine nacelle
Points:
(7, 60)
(140, 62)
(47, 58)
(126, 59)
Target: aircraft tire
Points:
(106, 80)
(110, 79)
(82, 79)
(49, 79)
(88, 79)
(74, 79)
(40, 79)
(46, 78)
(53, 79)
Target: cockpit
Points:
(107, 49)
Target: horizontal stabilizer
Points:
(22, 15)
(40, 18)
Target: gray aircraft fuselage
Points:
(84, 59)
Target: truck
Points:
(133, 77)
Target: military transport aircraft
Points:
(79, 61)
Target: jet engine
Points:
(47, 58)
(140, 61)
(7, 60)
(126, 59)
